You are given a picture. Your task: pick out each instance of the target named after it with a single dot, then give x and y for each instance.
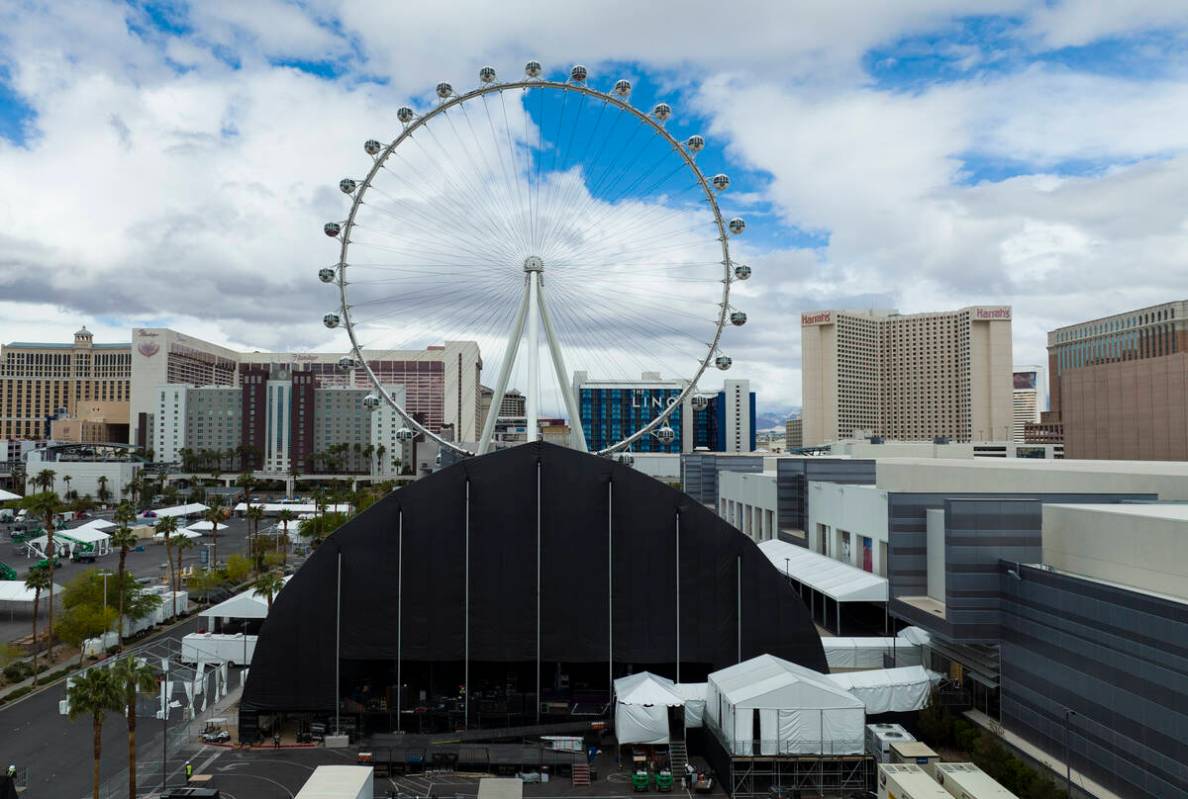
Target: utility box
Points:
(879, 738)
(908, 781)
(916, 753)
(967, 781)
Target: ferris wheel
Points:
(532, 206)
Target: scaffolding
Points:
(767, 776)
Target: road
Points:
(150, 563)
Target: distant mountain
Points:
(774, 418)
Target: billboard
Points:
(1026, 380)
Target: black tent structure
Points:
(511, 589)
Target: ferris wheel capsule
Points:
(666, 434)
(371, 402)
(332, 229)
(623, 88)
(347, 362)
(695, 143)
(737, 225)
(326, 274)
(347, 186)
(721, 182)
(405, 114)
(578, 74)
(742, 271)
(372, 147)
(723, 362)
(533, 69)
(700, 402)
(444, 90)
(662, 112)
(331, 320)
(738, 318)
(487, 74)
(405, 434)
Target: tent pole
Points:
(399, 610)
(537, 591)
(466, 618)
(738, 605)
(338, 647)
(837, 602)
(610, 602)
(678, 596)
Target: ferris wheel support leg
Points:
(563, 380)
(513, 346)
(533, 344)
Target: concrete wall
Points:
(860, 510)
(84, 476)
(748, 501)
(1139, 546)
(991, 379)
(935, 530)
(793, 477)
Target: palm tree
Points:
(167, 527)
(125, 539)
(47, 506)
(94, 692)
(284, 517)
(380, 452)
(103, 493)
(45, 479)
(133, 677)
(255, 515)
(214, 515)
(66, 479)
(37, 580)
(268, 585)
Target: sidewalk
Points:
(1080, 781)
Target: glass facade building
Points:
(610, 414)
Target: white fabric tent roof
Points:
(203, 527)
(646, 688)
(753, 683)
(85, 535)
(296, 507)
(176, 510)
(6, 496)
(182, 533)
(15, 591)
(836, 580)
(889, 690)
(95, 524)
(246, 605)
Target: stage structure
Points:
(513, 589)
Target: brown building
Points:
(41, 381)
(1119, 385)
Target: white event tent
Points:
(177, 510)
(246, 605)
(182, 533)
(641, 708)
(889, 690)
(204, 526)
(296, 507)
(15, 591)
(8, 496)
(798, 710)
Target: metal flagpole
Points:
(678, 596)
(538, 592)
(399, 610)
(338, 649)
(466, 620)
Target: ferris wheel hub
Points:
(533, 264)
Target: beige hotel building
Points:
(907, 376)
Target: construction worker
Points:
(189, 771)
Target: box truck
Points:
(907, 781)
(967, 781)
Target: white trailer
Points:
(879, 738)
(908, 781)
(967, 781)
(343, 782)
(217, 647)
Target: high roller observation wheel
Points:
(341, 273)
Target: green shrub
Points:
(15, 672)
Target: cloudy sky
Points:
(172, 164)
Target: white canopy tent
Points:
(798, 710)
(868, 653)
(204, 526)
(889, 690)
(296, 507)
(694, 695)
(823, 575)
(66, 541)
(95, 524)
(182, 533)
(177, 510)
(15, 591)
(245, 605)
(641, 708)
(8, 496)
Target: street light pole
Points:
(164, 723)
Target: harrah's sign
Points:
(993, 313)
(819, 318)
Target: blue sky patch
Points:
(16, 114)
